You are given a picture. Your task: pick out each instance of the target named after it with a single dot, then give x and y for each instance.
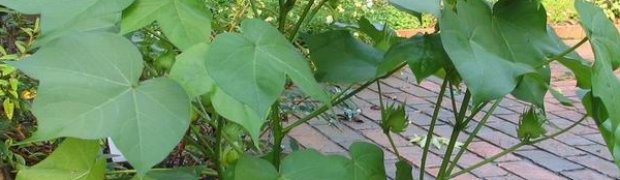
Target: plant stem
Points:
(429, 135)
(301, 20)
(453, 100)
(387, 133)
(254, 9)
(218, 146)
(316, 10)
(515, 147)
(278, 134)
(569, 50)
(473, 134)
(335, 101)
(455, 134)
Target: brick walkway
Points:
(579, 154)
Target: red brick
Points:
(466, 176)
(378, 137)
(311, 138)
(597, 164)
(549, 160)
(485, 149)
(528, 170)
(598, 150)
(585, 174)
(488, 170)
(414, 155)
(559, 148)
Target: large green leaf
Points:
(93, 92)
(605, 84)
(252, 66)
(185, 22)
(251, 167)
(310, 165)
(417, 7)
(339, 57)
(59, 17)
(190, 70)
(424, 54)
(366, 162)
(493, 49)
(74, 159)
(382, 35)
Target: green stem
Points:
(453, 100)
(278, 133)
(455, 134)
(569, 50)
(335, 101)
(218, 146)
(254, 9)
(473, 133)
(202, 141)
(515, 147)
(387, 133)
(429, 135)
(301, 20)
(316, 10)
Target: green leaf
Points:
(493, 49)
(74, 159)
(403, 170)
(605, 84)
(560, 97)
(239, 113)
(251, 167)
(185, 22)
(93, 92)
(191, 72)
(424, 54)
(533, 87)
(601, 32)
(185, 173)
(382, 35)
(59, 17)
(252, 66)
(417, 7)
(341, 58)
(310, 165)
(394, 118)
(531, 125)
(366, 162)
(582, 70)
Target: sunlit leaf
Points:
(339, 57)
(185, 22)
(605, 95)
(252, 66)
(59, 17)
(74, 159)
(93, 92)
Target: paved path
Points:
(579, 154)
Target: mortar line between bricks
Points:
(498, 130)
